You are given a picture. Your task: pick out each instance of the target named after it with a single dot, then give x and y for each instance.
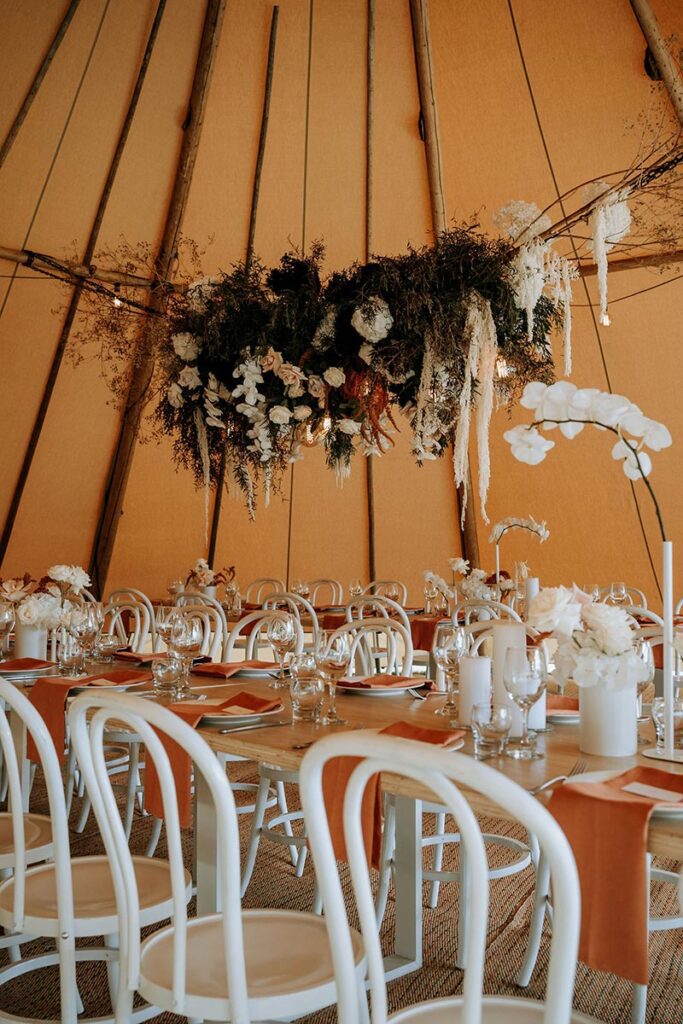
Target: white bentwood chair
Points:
(336, 590)
(381, 588)
(72, 897)
(233, 965)
(258, 590)
(286, 600)
(483, 611)
(125, 595)
(442, 772)
(133, 632)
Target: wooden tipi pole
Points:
(76, 294)
(369, 461)
(666, 65)
(419, 11)
(37, 81)
(119, 471)
(218, 501)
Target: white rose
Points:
(609, 627)
(189, 377)
(334, 376)
(372, 320)
(280, 414)
(302, 412)
(555, 610)
(290, 374)
(186, 346)
(27, 612)
(350, 427)
(296, 391)
(271, 361)
(174, 396)
(316, 387)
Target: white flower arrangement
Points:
(439, 583)
(202, 575)
(459, 565)
(514, 523)
(596, 642)
(43, 611)
(372, 320)
(15, 590)
(186, 346)
(474, 587)
(69, 578)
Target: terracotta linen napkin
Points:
(607, 828)
(192, 711)
(49, 696)
(23, 665)
(380, 681)
(146, 657)
(227, 669)
(556, 702)
(336, 775)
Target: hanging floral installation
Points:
(256, 364)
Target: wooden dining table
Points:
(283, 745)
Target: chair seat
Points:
(288, 963)
(496, 1010)
(93, 895)
(37, 838)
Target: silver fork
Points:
(578, 768)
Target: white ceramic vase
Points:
(210, 592)
(29, 642)
(608, 721)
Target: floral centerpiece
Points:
(42, 605)
(204, 577)
(515, 523)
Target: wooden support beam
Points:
(107, 526)
(80, 271)
(72, 308)
(651, 259)
(667, 66)
(37, 81)
(370, 124)
(265, 115)
(419, 12)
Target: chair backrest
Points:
(204, 600)
(127, 594)
(651, 618)
(130, 621)
(19, 705)
(441, 772)
(256, 590)
(213, 624)
(259, 621)
(384, 587)
(480, 609)
(376, 606)
(379, 635)
(336, 595)
(295, 603)
(148, 720)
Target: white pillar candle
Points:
(505, 636)
(531, 590)
(475, 685)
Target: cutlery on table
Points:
(578, 768)
(255, 725)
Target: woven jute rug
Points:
(274, 884)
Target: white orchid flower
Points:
(528, 445)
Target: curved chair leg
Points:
(131, 787)
(317, 907)
(437, 860)
(301, 861)
(386, 858)
(282, 804)
(113, 972)
(464, 910)
(70, 779)
(255, 838)
(69, 998)
(85, 812)
(538, 912)
(154, 837)
(638, 1004)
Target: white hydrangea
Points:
(186, 346)
(373, 319)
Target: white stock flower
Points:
(527, 444)
(608, 627)
(302, 412)
(186, 346)
(334, 376)
(555, 610)
(189, 377)
(459, 565)
(350, 427)
(280, 414)
(76, 577)
(373, 319)
(631, 466)
(174, 396)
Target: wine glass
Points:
(6, 625)
(355, 588)
(296, 586)
(491, 726)
(617, 593)
(332, 656)
(593, 591)
(430, 595)
(524, 679)
(392, 592)
(185, 642)
(92, 627)
(450, 644)
(165, 616)
(643, 649)
(281, 634)
(304, 590)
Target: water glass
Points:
(166, 673)
(524, 677)
(450, 644)
(70, 656)
(491, 726)
(306, 687)
(657, 710)
(185, 642)
(618, 593)
(164, 615)
(281, 634)
(6, 625)
(643, 649)
(107, 646)
(332, 656)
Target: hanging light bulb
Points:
(117, 300)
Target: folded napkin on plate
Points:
(380, 681)
(556, 702)
(146, 657)
(192, 711)
(606, 824)
(49, 696)
(336, 776)
(24, 665)
(226, 669)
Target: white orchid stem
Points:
(629, 444)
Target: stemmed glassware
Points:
(450, 644)
(165, 615)
(281, 634)
(524, 676)
(618, 593)
(185, 642)
(430, 596)
(332, 656)
(6, 625)
(593, 591)
(83, 628)
(355, 588)
(644, 651)
(93, 616)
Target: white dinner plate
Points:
(379, 691)
(602, 776)
(243, 719)
(259, 673)
(562, 717)
(113, 688)
(28, 674)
